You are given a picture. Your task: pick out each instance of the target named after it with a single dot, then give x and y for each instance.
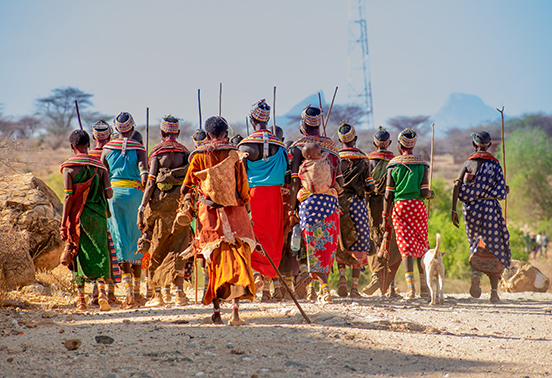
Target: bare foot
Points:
(213, 319)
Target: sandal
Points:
(373, 286)
(342, 287)
(354, 293)
(278, 295)
(81, 304)
(475, 288)
(301, 284)
(494, 296)
(237, 322)
(267, 298)
(326, 298)
(129, 302)
(311, 294)
(104, 303)
(410, 295)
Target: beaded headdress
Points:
(125, 126)
(101, 130)
(311, 116)
(348, 136)
(168, 126)
(381, 137)
(199, 137)
(405, 141)
(260, 111)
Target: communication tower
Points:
(359, 88)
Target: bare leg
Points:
(494, 289)
(216, 318)
(408, 262)
(342, 290)
(354, 285)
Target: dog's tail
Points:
(437, 245)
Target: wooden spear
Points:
(330, 111)
(78, 114)
(199, 107)
(147, 130)
(321, 112)
(274, 112)
(247, 124)
(501, 111)
(431, 166)
(220, 100)
(195, 278)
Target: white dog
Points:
(434, 267)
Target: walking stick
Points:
(274, 112)
(292, 295)
(220, 100)
(199, 107)
(321, 112)
(195, 278)
(501, 111)
(78, 114)
(431, 166)
(330, 110)
(147, 130)
(247, 125)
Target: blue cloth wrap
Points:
(268, 172)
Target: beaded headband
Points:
(381, 142)
(308, 120)
(405, 141)
(347, 137)
(101, 130)
(260, 114)
(125, 126)
(199, 137)
(479, 143)
(169, 127)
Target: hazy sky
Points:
(133, 54)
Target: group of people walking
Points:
(232, 205)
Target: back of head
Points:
(216, 126)
(482, 139)
(346, 132)
(312, 151)
(137, 136)
(407, 138)
(280, 133)
(382, 138)
(236, 139)
(79, 138)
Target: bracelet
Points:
(454, 211)
(141, 209)
(385, 215)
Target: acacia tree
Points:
(59, 109)
(421, 123)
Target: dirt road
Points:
(349, 338)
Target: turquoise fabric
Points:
(123, 167)
(122, 224)
(268, 172)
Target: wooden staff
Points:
(199, 107)
(78, 114)
(274, 112)
(247, 124)
(321, 113)
(431, 166)
(195, 278)
(330, 110)
(501, 111)
(220, 100)
(147, 130)
(292, 295)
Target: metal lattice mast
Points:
(359, 88)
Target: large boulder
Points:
(16, 266)
(33, 210)
(523, 277)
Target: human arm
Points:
(67, 202)
(425, 192)
(143, 166)
(106, 184)
(370, 186)
(455, 194)
(388, 199)
(295, 182)
(150, 187)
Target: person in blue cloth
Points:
(480, 185)
(127, 162)
(266, 165)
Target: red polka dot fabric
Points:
(410, 222)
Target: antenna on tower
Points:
(359, 88)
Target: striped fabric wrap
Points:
(212, 146)
(381, 155)
(406, 160)
(82, 159)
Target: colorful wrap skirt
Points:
(410, 223)
(360, 248)
(320, 225)
(122, 224)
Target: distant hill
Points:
(463, 111)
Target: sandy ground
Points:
(370, 336)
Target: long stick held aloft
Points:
(78, 114)
(220, 100)
(431, 165)
(330, 110)
(274, 112)
(247, 124)
(321, 112)
(501, 111)
(199, 107)
(147, 130)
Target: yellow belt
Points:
(127, 184)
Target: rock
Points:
(49, 314)
(35, 288)
(28, 205)
(16, 265)
(72, 344)
(102, 339)
(523, 277)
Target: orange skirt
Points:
(230, 274)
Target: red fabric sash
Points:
(82, 159)
(382, 155)
(168, 146)
(482, 155)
